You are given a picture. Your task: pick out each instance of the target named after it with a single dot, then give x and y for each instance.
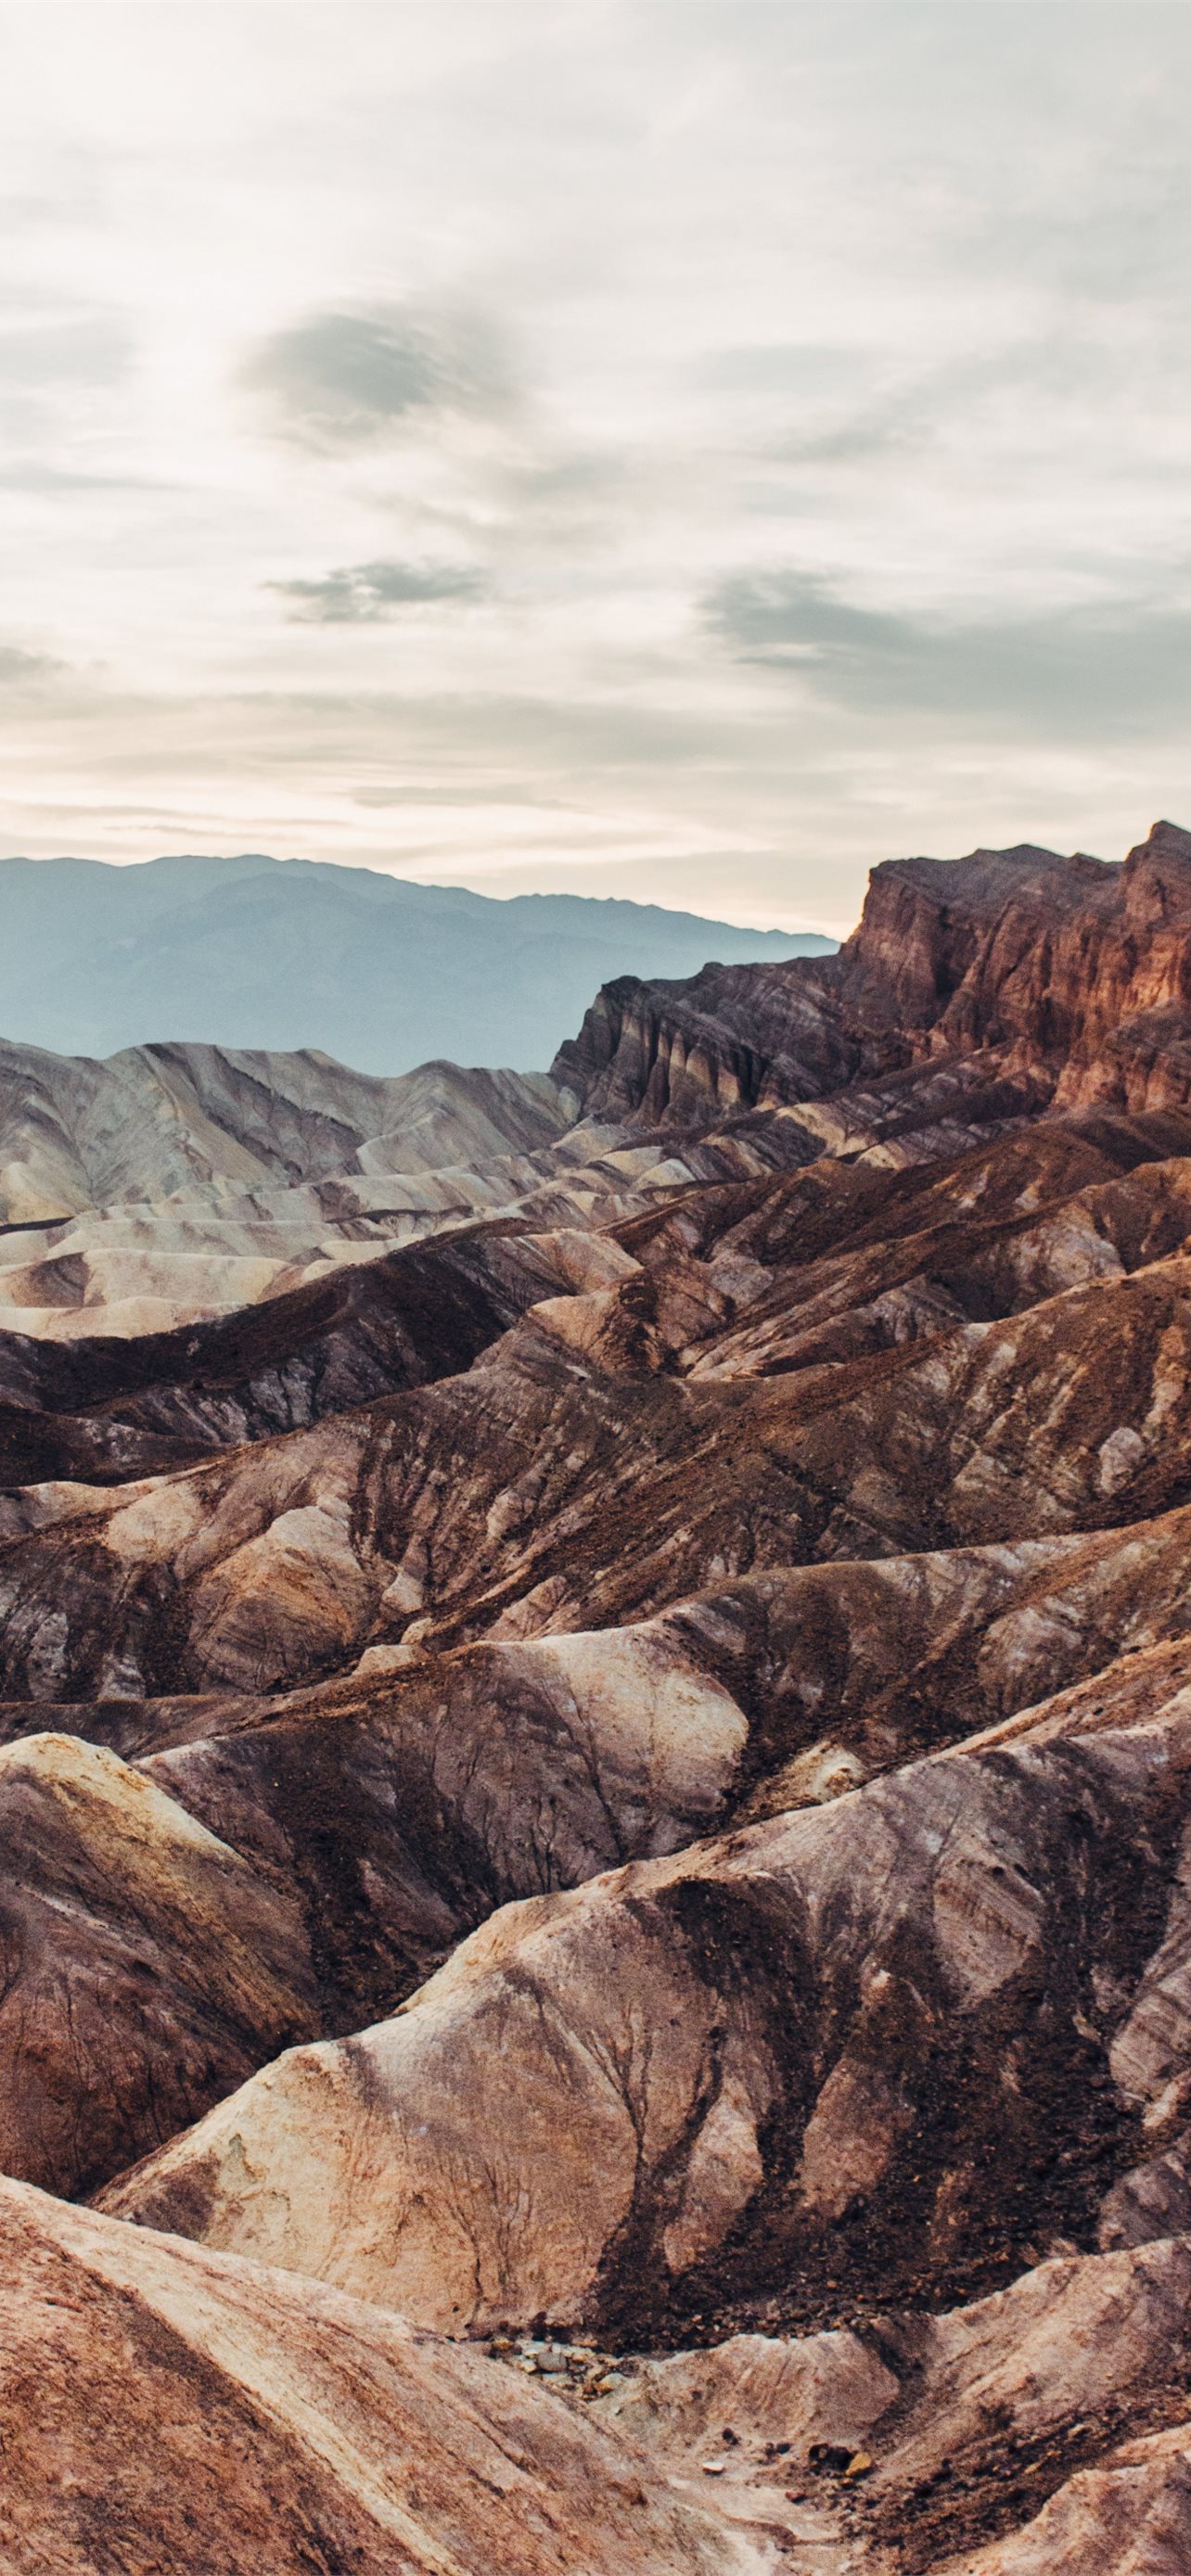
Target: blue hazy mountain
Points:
(261, 952)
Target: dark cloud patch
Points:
(341, 379)
(22, 670)
(1070, 671)
(360, 594)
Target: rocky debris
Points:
(1134, 2512)
(287, 2418)
(928, 2442)
(575, 2369)
(165, 2407)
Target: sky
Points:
(682, 449)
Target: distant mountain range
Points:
(287, 953)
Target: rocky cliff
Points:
(1070, 969)
(594, 1782)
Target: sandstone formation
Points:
(595, 1744)
(993, 1369)
(146, 1965)
(1068, 971)
(199, 2409)
(985, 2438)
(396, 1808)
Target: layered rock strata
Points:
(1068, 967)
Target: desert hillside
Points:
(595, 1774)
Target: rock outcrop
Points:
(984, 1372)
(1076, 970)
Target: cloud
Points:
(360, 594)
(79, 349)
(1067, 670)
(345, 378)
(606, 305)
(47, 360)
(22, 670)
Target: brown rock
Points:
(831, 2052)
(170, 2408)
(147, 1967)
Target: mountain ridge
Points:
(377, 970)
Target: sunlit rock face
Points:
(197, 2413)
(1072, 969)
(595, 1728)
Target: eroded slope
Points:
(659, 1660)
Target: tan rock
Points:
(195, 2411)
(873, 2007)
(146, 1965)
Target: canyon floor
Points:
(595, 1776)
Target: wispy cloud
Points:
(359, 594)
(75, 347)
(20, 669)
(755, 435)
(1068, 672)
(66, 355)
(350, 377)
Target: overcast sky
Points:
(686, 449)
